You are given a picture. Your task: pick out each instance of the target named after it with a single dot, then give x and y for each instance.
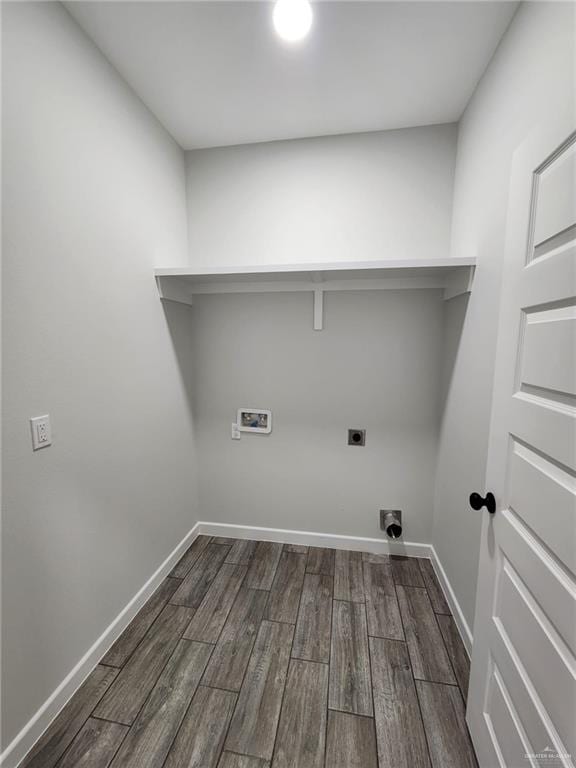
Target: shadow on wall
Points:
(454, 318)
(179, 319)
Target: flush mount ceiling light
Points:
(292, 19)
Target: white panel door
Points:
(522, 698)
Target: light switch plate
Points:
(235, 432)
(41, 432)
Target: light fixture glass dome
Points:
(292, 19)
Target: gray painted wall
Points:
(93, 199)
(376, 365)
(384, 195)
(531, 74)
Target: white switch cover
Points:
(235, 432)
(41, 432)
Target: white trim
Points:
(33, 730)
(453, 274)
(319, 267)
(450, 596)
(315, 539)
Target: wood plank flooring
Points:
(351, 741)
(253, 727)
(300, 741)
(350, 681)
(263, 655)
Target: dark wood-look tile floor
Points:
(263, 655)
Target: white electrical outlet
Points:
(41, 432)
(235, 432)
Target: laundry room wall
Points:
(93, 200)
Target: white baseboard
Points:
(314, 539)
(32, 731)
(450, 596)
(29, 735)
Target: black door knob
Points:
(477, 502)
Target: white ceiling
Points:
(215, 73)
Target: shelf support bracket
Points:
(459, 281)
(169, 290)
(318, 309)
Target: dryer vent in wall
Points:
(391, 522)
